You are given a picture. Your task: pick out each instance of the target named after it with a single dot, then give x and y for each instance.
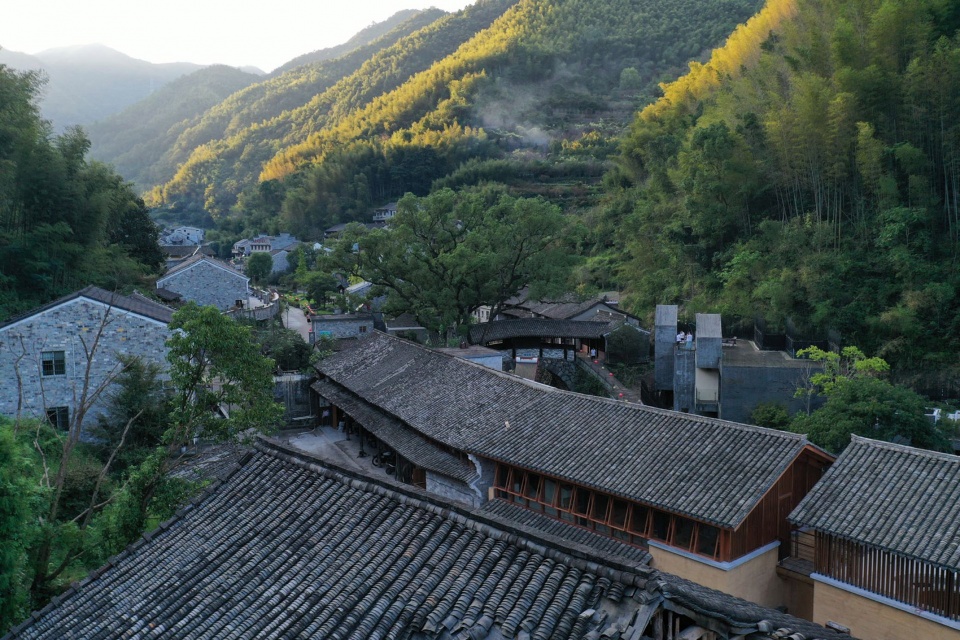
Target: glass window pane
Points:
(707, 538)
(566, 493)
(638, 520)
(549, 491)
(581, 503)
(516, 478)
(661, 525)
(503, 474)
(599, 510)
(618, 515)
(682, 532)
(532, 488)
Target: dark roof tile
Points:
(705, 468)
(898, 498)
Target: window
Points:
(54, 363)
(707, 538)
(59, 417)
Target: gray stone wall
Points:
(342, 328)
(72, 328)
(208, 284)
(451, 489)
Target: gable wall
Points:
(69, 327)
(207, 284)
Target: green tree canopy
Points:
(259, 266)
(216, 367)
(445, 255)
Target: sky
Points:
(239, 33)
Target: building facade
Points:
(58, 360)
(207, 281)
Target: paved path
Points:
(618, 391)
(294, 318)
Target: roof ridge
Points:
(788, 435)
(904, 448)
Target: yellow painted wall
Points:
(800, 599)
(755, 580)
(872, 620)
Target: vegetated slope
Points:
(90, 82)
(223, 167)
(811, 170)
(134, 140)
(252, 105)
(361, 38)
(541, 73)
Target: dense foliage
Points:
(809, 171)
(444, 256)
(64, 222)
(556, 77)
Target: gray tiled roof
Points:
(137, 303)
(708, 469)
(290, 547)
(199, 257)
(890, 496)
(407, 442)
(539, 328)
(566, 531)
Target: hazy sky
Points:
(264, 34)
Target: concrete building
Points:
(46, 354)
(724, 377)
(207, 281)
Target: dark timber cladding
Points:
(709, 470)
(887, 519)
(287, 547)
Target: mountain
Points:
(152, 158)
(499, 77)
(808, 173)
(136, 138)
(364, 37)
(87, 83)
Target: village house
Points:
(384, 213)
(877, 550)
(206, 281)
(264, 244)
(707, 499)
(288, 545)
(50, 354)
(341, 326)
(182, 236)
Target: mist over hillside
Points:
(86, 83)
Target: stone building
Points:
(341, 325)
(48, 354)
(207, 281)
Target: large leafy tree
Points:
(259, 266)
(860, 401)
(222, 386)
(445, 255)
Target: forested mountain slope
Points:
(151, 156)
(811, 170)
(361, 38)
(64, 223)
(90, 82)
(134, 140)
(537, 69)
